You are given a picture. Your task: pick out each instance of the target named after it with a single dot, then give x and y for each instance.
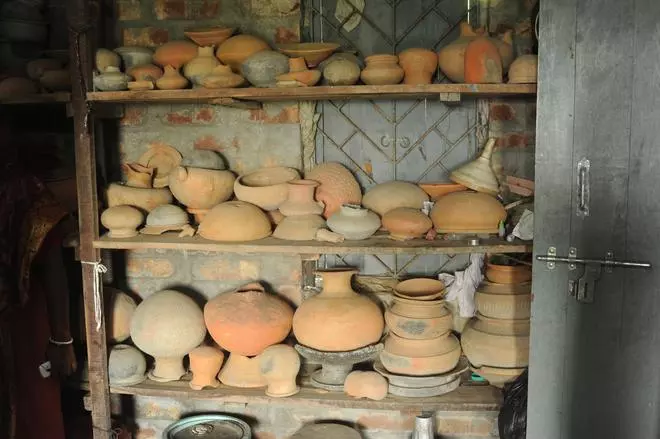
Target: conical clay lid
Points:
(478, 174)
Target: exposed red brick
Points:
(133, 116)
(269, 8)
(502, 112)
(207, 142)
(186, 9)
(202, 116)
(227, 270)
(129, 10)
(287, 35)
(179, 119)
(286, 115)
(145, 36)
(149, 267)
(205, 114)
(387, 422)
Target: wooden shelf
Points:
(378, 244)
(445, 92)
(41, 98)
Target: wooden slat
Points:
(41, 98)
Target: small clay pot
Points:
(422, 348)
(238, 48)
(243, 372)
(175, 54)
(265, 187)
(382, 70)
(201, 66)
(405, 223)
(112, 79)
(422, 366)
(122, 221)
(341, 72)
(300, 199)
(420, 309)
(370, 385)
(524, 70)
(299, 73)
(147, 199)
(126, 366)
(222, 77)
(501, 306)
(235, 221)
(138, 175)
(508, 274)
(483, 64)
(279, 365)
(263, 68)
(146, 72)
(388, 196)
(134, 56)
(419, 66)
(354, 222)
(171, 79)
(419, 328)
(205, 362)
(338, 186)
(420, 289)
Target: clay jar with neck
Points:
(300, 200)
(419, 66)
(171, 80)
(201, 66)
(205, 362)
(382, 70)
(350, 321)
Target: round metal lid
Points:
(208, 427)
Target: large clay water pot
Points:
(201, 189)
(235, 221)
(419, 66)
(350, 321)
(496, 343)
(388, 196)
(338, 186)
(467, 213)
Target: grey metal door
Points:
(595, 368)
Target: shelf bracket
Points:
(450, 97)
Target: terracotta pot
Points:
(300, 199)
(37, 67)
(244, 372)
(350, 321)
(298, 72)
(275, 217)
(421, 348)
(382, 70)
(501, 326)
(354, 222)
(56, 80)
(483, 64)
(209, 36)
(265, 187)
(508, 274)
(493, 288)
(164, 159)
(122, 221)
(201, 66)
(201, 189)
(299, 227)
(165, 218)
(141, 85)
(135, 56)
(422, 366)
(437, 190)
(147, 199)
(420, 289)
(419, 328)
(388, 196)
(370, 385)
(239, 48)
(171, 79)
(501, 306)
(175, 54)
(103, 58)
(138, 175)
(524, 70)
(279, 365)
(419, 65)
(341, 72)
(205, 363)
(235, 221)
(498, 376)
(326, 431)
(338, 186)
(312, 53)
(478, 174)
(248, 320)
(119, 310)
(126, 366)
(496, 343)
(467, 212)
(420, 309)
(146, 72)
(262, 69)
(222, 77)
(112, 79)
(16, 87)
(167, 325)
(405, 223)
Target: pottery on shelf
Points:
(493, 288)
(200, 189)
(135, 56)
(237, 49)
(419, 309)
(504, 306)
(263, 68)
(437, 190)
(209, 36)
(241, 371)
(56, 80)
(36, 68)
(370, 385)
(300, 200)
(265, 187)
(299, 227)
(388, 196)
(498, 376)
(145, 72)
(171, 79)
(299, 73)
(279, 365)
(166, 218)
(419, 65)
(467, 213)
(235, 221)
(382, 70)
(338, 186)
(483, 64)
(524, 70)
(354, 222)
(16, 87)
(167, 325)
(141, 85)
(350, 321)
(126, 366)
(175, 54)
(146, 199)
(222, 77)
(164, 159)
(312, 53)
(275, 217)
(405, 223)
(326, 431)
(508, 274)
(341, 72)
(105, 58)
(119, 310)
(427, 347)
(112, 79)
(420, 289)
(444, 358)
(201, 66)
(122, 221)
(496, 343)
(138, 175)
(419, 327)
(205, 363)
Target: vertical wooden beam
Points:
(82, 15)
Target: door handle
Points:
(604, 262)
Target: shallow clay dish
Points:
(265, 187)
(313, 53)
(420, 366)
(508, 274)
(420, 289)
(422, 348)
(437, 190)
(209, 36)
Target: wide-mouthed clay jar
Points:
(350, 321)
(354, 222)
(175, 54)
(126, 366)
(382, 70)
(405, 223)
(370, 385)
(279, 365)
(419, 66)
(300, 200)
(235, 221)
(265, 187)
(420, 288)
(119, 310)
(263, 68)
(200, 189)
(497, 343)
(504, 306)
(422, 365)
(338, 186)
(508, 274)
(388, 196)
(122, 221)
(205, 363)
(144, 198)
(467, 213)
(167, 325)
(201, 66)
(238, 48)
(418, 327)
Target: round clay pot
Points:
(147, 199)
(175, 54)
(241, 371)
(299, 73)
(146, 72)
(205, 363)
(265, 187)
(167, 325)
(388, 196)
(134, 56)
(171, 79)
(112, 79)
(467, 212)
(524, 70)
(126, 366)
(235, 221)
(419, 66)
(497, 344)
(122, 221)
(493, 288)
(201, 66)
(201, 189)
(16, 87)
(341, 72)
(370, 385)
(420, 289)
(422, 366)
(138, 175)
(498, 376)
(421, 348)
(418, 328)
(405, 223)
(420, 309)
(119, 310)
(354, 222)
(350, 321)
(299, 227)
(248, 320)
(508, 274)
(165, 218)
(300, 200)
(500, 306)
(279, 365)
(56, 80)
(483, 64)
(338, 186)
(222, 77)
(382, 70)
(237, 49)
(209, 36)
(36, 68)
(105, 58)
(141, 85)
(263, 68)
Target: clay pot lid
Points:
(313, 53)
(164, 159)
(205, 36)
(208, 426)
(420, 289)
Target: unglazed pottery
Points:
(126, 366)
(36, 68)
(299, 227)
(504, 306)
(483, 64)
(112, 79)
(16, 87)
(425, 365)
(420, 289)
(244, 372)
(478, 174)
(56, 80)
(165, 218)
(508, 274)
(175, 54)
(370, 385)
(496, 343)
(209, 36)
(200, 189)
(138, 175)
(313, 53)
(235, 221)
(498, 376)
(237, 49)
(350, 321)
(146, 199)
(135, 56)
(382, 70)
(164, 159)
(428, 347)
(201, 66)
(299, 73)
(205, 363)
(326, 431)
(105, 58)
(279, 365)
(467, 213)
(388, 196)
(265, 187)
(222, 77)
(354, 222)
(167, 325)
(171, 79)
(419, 65)
(419, 328)
(119, 310)
(420, 309)
(145, 72)
(141, 85)
(341, 72)
(338, 186)
(493, 288)
(122, 221)
(437, 190)
(524, 70)
(405, 223)
(263, 68)
(300, 200)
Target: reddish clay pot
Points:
(240, 371)
(338, 187)
(420, 289)
(370, 385)
(234, 221)
(405, 223)
(419, 66)
(419, 328)
(300, 200)
(508, 274)
(146, 72)
(299, 72)
(175, 54)
(205, 362)
(388, 196)
(237, 49)
(483, 64)
(382, 70)
(279, 365)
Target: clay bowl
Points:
(421, 309)
(498, 376)
(209, 36)
(422, 366)
(430, 347)
(313, 53)
(437, 190)
(420, 289)
(493, 288)
(508, 274)
(504, 306)
(265, 187)
(418, 328)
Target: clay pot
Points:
(167, 325)
(279, 365)
(497, 343)
(16, 87)
(175, 54)
(141, 85)
(56, 80)
(419, 328)
(405, 223)
(265, 187)
(419, 309)
(134, 56)
(354, 222)
(508, 274)
(275, 217)
(350, 321)
(388, 196)
(263, 68)
(126, 366)
(244, 372)
(122, 221)
(338, 186)
(205, 363)
(312, 53)
(299, 73)
(326, 431)
(222, 77)
(478, 174)
(248, 320)
(165, 218)
(171, 79)
(483, 64)
(370, 385)
(235, 221)
(147, 199)
(105, 58)
(146, 72)
(119, 310)
(422, 366)
(421, 348)
(164, 159)
(209, 36)
(341, 72)
(487, 287)
(498, 376)
(524, 70)
(504, 306)
(299, 227)
(112, 79)
(468, 213)
(437, 190)
(419, 66)
(239, 48)
(300, 200)
(37, 67)
(382, 70)
(201, 66)
(200, 189)
(420, 289)
(138, 175)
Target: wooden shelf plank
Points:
(378, 244)
(41, 98)
(401, 91)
